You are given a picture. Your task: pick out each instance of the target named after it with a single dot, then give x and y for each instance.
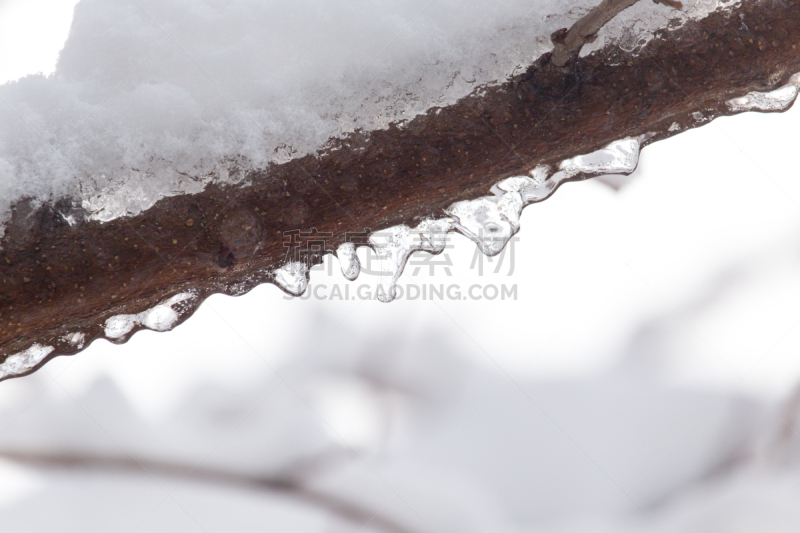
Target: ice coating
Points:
(348, 260)
(292, 277)
(22, 362)
(777, 100)
(162, 317)
(393, 247)
(130, 116)
(489, 221)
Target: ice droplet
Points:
(348, 261)
(21, 362)
(777, 100)
(119, 326)
(161, 317)
(292, 277)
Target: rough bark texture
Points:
(57, 279)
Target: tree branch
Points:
(58, 280)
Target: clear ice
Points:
(777, 100)
(21, 362)
(393, 247)
(348, 260)
(489, 221)
(533, 188)
(162, 317)
(492, 220)
(292, 277)
(619, 157)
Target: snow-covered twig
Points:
(568, 43)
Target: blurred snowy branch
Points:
(291, 483)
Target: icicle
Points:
(21, 362)
(348, 260)
(394, 246)
(777, 100)
(292, 277)
(490, 221)
(162, 317)
(433, 234)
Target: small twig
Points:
(568, 43)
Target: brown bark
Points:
(57, 279)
